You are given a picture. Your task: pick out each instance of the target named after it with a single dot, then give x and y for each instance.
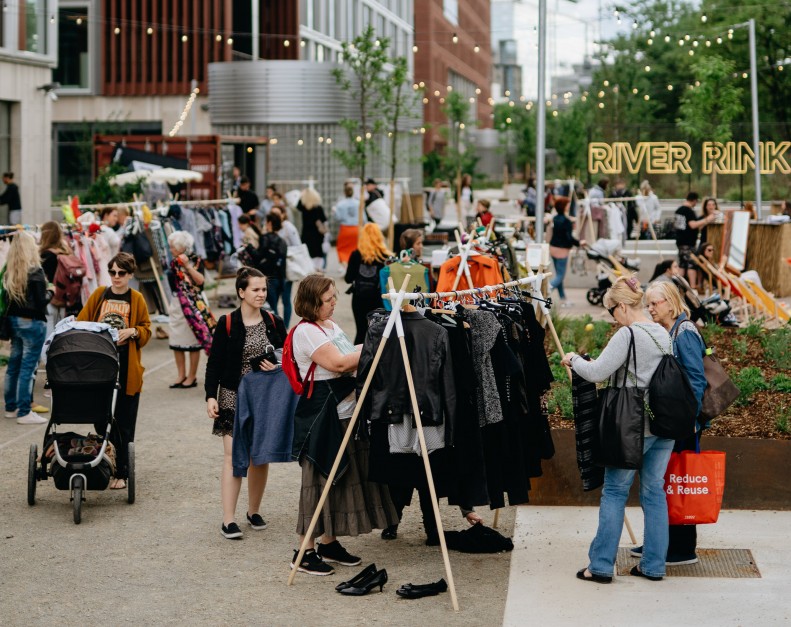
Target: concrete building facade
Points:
(28, 49)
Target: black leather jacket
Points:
(388, 398)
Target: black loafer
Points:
(418, 591)
(593, 577)
(639, 573)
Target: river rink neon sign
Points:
(674, 157)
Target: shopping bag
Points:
(694, 485)
(298, 263)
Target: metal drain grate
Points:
(730, 563)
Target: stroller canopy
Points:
(80, 357)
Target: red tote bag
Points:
(694, 485)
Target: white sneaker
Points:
(10, 414)
(31, 419)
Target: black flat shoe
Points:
(378, 579)
(639, 573)
(593, 577)
(194, 384)
(365, 573)
(180, 384)
(418, 591)
(390, 533)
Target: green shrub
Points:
(749, 381)
(560, 399)
(710, 331)
(739, 347)
(777, 346)
(783, 420)
(754, 328)
(782, 383)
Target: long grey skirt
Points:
(353, 505)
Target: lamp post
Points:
(541, 123)
(754, 99)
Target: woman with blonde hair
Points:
(624, 301)
(667, 308)
(26, 296)
(314, 226)
(363, 274)
(648, 204)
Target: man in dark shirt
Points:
(10, 197)
(248, 201)
(687, 226)
(374, 193)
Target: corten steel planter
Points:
(756, 474)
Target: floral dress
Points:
(193, 304)
(256, 343)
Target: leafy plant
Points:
(754, 328)
(777, 346)
(560, 400)
(782, 383)
(783, 420)
(749, 381)
(101, 191)
(710, 331)
(740, 347)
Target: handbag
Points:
(298, 263)
(720, 391)
(621, 428)
(694, 486)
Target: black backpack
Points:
(272, 251)
(672, 407)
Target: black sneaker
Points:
(334, 552)
(680, 560)
(636, 551)
(312, 564)
(232, 531)
(256, 522)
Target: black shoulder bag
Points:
(621, 415)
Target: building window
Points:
(450, 9)
(5, 136)
(36, 26)
(73, 60)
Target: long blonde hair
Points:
(22, 258)
(310, 198)
(372, 244)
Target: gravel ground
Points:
(163, 560)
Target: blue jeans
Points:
(27, 339)
(560, 274)
(603, 549)
(275, 290)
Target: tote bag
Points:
(298, 263)
(621, 427)
(694, 485)
(720, 391)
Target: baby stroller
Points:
(607, 255)
(82, 372)
(710, 309)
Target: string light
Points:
(414, 48)
(455, 38)
(647, 68)
(301, 43)
(601, 105)
(667, 38)
(476, 48)
(273, 141)
(184, 113)
(218, 38)
(670, 88)
(425, 100)
(329, 140)
(286, 43)
(300, 142)
(606, 84)
(79, 21)
(477, 91)
(249, 150)
(321, 139)
(703, 18)
(117, 31)
(184, 39)
(230, 41)
(646, 97)
(150, 31)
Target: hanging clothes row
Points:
(480, 377)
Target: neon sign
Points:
(674, 157)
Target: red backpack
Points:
(291, 368)
(68, 281)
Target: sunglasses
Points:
(612, 310)
(118, 273)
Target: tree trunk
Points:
(391, 229)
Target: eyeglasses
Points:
(612, 310)
(118, 273)
(654, 303)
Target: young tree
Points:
(364, 59)
(458, 156)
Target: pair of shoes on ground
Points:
(317, 561)
(363, 582)
(232, 531)
(180, 385)
(672, 559)
(28, 419)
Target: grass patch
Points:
(740, 347)
(749, 381)
(754, 328)
(783, 420)
(710, 331)
(560, 399)
(782, 383)
(777, 346)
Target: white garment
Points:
(112, 238)
(649, 207)
(307, 339)
(289, 233)
(615, 221)
(67, 324)
(403, 437)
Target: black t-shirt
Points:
(49, 261)
(685, 235)
(248, 201)
(116, 310)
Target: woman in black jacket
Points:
(314, 226)
(26, 296)
(559, 246)
(244, 334)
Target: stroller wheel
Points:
(31, 475)
(594, 296)
(130, 480)
(76, 499)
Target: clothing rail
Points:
(534, 281)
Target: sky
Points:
(568, 24)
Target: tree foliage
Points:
(459, 155)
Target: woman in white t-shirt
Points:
(354, 505)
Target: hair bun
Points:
(242, 272)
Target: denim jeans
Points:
(27, 338)
(603, 549)
(560, 274)
(277, 289)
